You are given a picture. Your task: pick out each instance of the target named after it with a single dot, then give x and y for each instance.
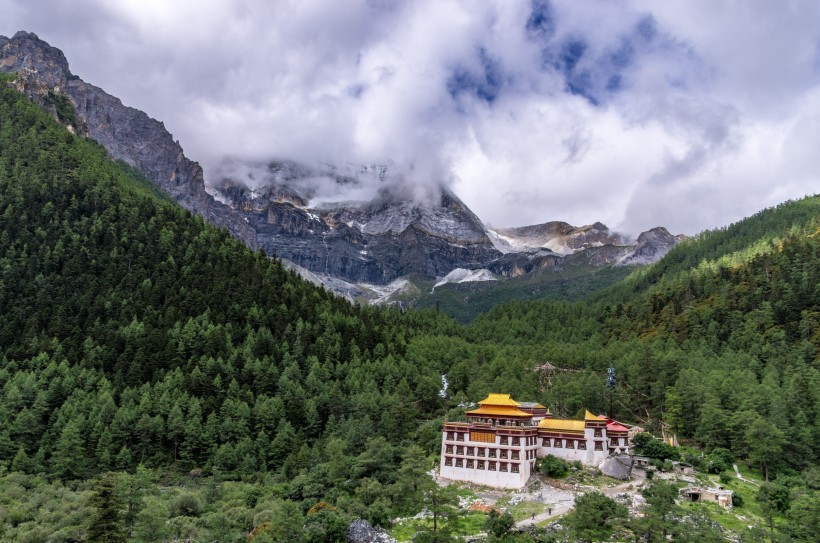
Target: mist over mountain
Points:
(160, 381)
(361, 224)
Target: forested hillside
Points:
(134, 333)
(711, 350)
(136, 337)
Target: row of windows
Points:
(505, 440)
(505, 422)
(481, 464)
(571, 444)
(531, 440)
(488, 452)
(565, 444)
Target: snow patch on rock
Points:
(461, 275)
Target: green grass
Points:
(469, 524)
(526, 509)
(736, 519)
(728, 519)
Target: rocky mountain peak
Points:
(356, 223)
(362, 223)
(126, 133)
(652, 245)
(26, 53)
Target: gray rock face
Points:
(126, 133)
(370, 242)
(360, 531)
(619, 467)
(652, 246)
(561, 235)
(288, 214)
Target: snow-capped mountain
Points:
(303, 215)
(360, 230)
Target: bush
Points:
(645, 444)
(737, 500)
(725, 477)
(499, 524)
(719, 460)
(552, 466)
(186, 505)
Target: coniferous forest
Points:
(162, 382)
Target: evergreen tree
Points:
(106, 524)
(68, 459)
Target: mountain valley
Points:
(163, 379)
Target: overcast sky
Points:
(689, 114)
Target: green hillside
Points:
(466, 301)
(136, 334)
(226, 394)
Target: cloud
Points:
(635, 113)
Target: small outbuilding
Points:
(719, 495)
(682, 468)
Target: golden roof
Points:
(590, 416)
(499, 411)
(499, 399)
(563, 425)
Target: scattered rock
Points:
(360, 531)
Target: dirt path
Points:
(562, 506)
(638, 477)
(556, 510)
(741, 477)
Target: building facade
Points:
(501, 440)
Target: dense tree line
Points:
(134, 335)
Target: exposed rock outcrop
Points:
(126, 133)
(374, 241)
(652, 246)
(391, 235)
(360, 531)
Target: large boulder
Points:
(619, 467)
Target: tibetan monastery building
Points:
(499, 443)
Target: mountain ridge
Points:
(392, 235)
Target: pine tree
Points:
(69, 456)
(106, 525)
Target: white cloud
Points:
(635, 113)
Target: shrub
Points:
(645, 444)
(552, 466)
(725, 477)
(185, 505)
